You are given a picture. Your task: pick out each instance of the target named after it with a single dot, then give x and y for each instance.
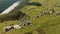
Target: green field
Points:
(49, 23)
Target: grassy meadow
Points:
(49, 23)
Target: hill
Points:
(49, 23)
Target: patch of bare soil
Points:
(40, 31)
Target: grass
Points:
(49, 23)
(6, 23)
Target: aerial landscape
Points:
(29, 16)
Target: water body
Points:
(4, 4)
(10, 8)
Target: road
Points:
(10, 8)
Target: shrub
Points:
(35, 3)
(29, 33)
(14, 15)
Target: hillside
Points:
(46, 24)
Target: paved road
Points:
(10, 8)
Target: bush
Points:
(14, 15)
(35, 3)
(29, 33)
